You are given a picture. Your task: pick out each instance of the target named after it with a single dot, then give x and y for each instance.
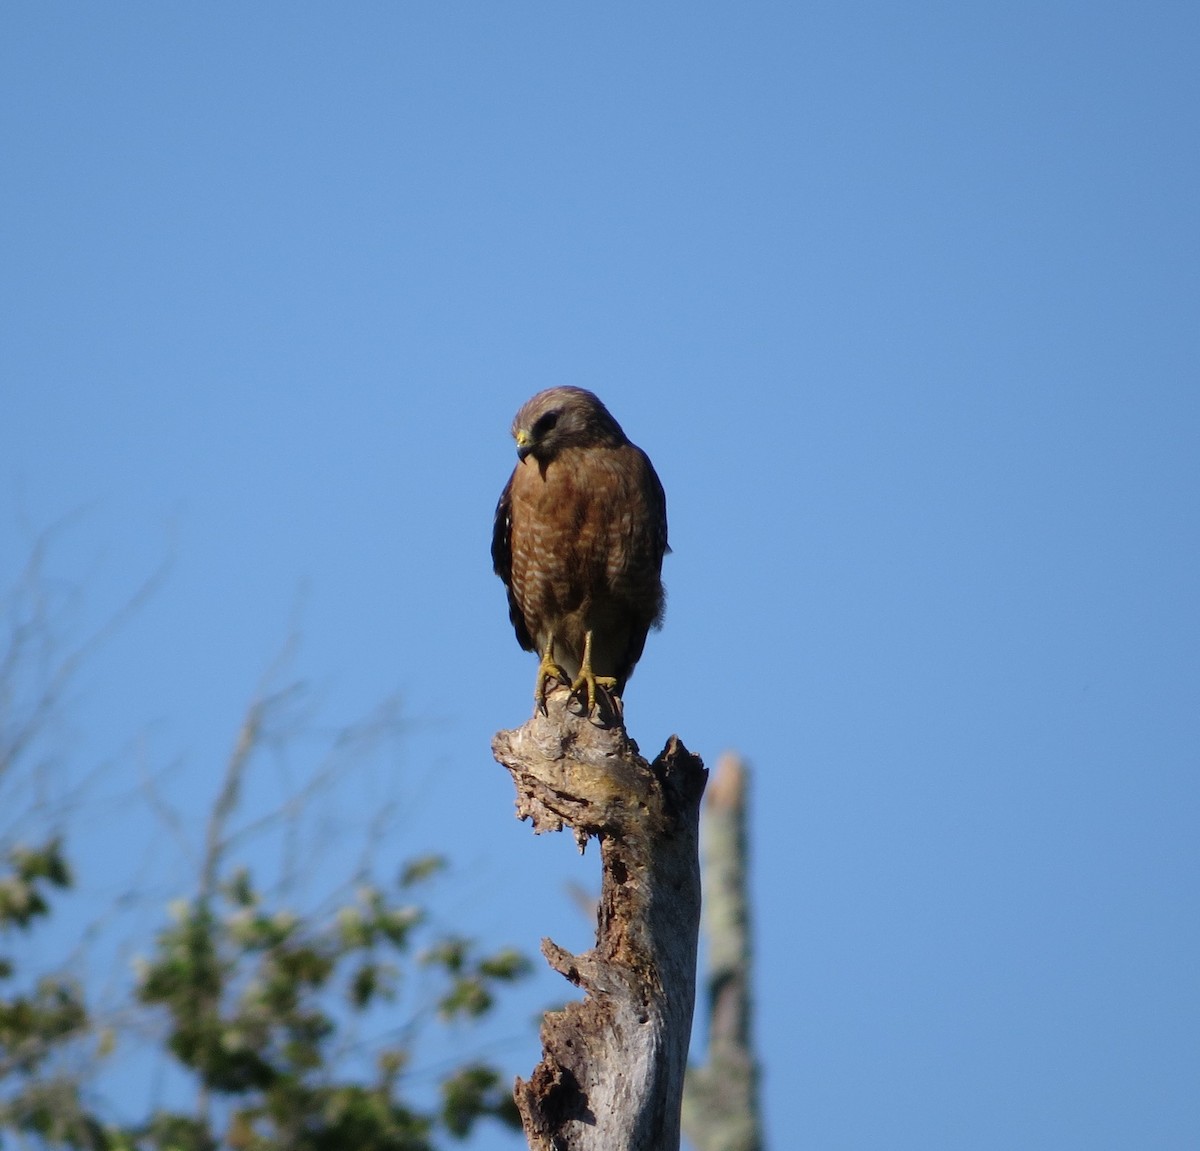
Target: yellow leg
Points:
(586, 677)
(547, 670)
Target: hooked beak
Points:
(524, 443)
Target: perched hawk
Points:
(579, 538)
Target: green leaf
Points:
(422, 868)
(475, 1091)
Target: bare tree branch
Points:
(34, 675)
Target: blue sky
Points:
(901, 300)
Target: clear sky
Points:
(903, 302)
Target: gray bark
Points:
(721, 1111)
(612, 1070)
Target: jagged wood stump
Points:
(612, 1069)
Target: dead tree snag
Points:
(720, 1106)
(612, 1069)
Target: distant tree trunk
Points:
(612, 1069)
(720, 1109)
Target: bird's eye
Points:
(544, 424)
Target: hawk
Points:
(579, 539)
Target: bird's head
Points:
(561, 418)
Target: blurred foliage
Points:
(253, 1002)
(281, 1030)
(38, 1024)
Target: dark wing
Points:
(502, 564)
(658, 502)
(502, 536)
(652, 597)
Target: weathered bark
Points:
(613, 1065)
(720, 1109)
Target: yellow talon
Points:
(587, 678)
(547, 670)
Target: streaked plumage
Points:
(579, 539)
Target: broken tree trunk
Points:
(612, 1069)
(720, 1111)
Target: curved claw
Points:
(548, 670)
(587, 678)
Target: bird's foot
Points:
(587, 680)
(548, 672)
